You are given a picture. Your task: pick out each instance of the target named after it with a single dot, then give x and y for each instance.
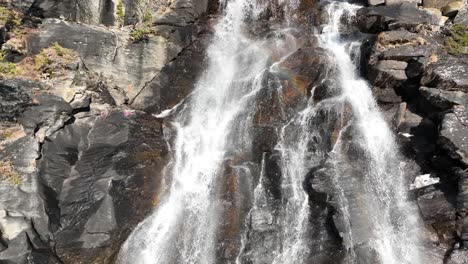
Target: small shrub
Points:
(147, 18)
(58, 49)
(120, 12)
(8, 173)
(139, 34)
(9, 17)
(8, 68)
(41, 61)
(457, 43)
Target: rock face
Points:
(80, 166)
(90, 167)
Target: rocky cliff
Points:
(84, 149)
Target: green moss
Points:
(8, 173)
(139, 34)
(8, 68)
(457, 43)
(120, 12)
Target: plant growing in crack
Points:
(120, 12)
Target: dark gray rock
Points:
(444, 99)
(49, 116)
(448, 73)
(176, 80)
(96, 168)
(389, 74)
(453, 136)
(381, 18)
(462, 17)
(434, 206)
(15, 97)
(386, 95)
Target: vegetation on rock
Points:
(9, 17)
(457, 43)
(8, 173)
(120, 12)
(8, 69)
(142, 33)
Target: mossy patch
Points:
(8, 173)
(457, 43)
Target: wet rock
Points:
(434, 206)
(453, 136)
(327, 89)
(386, 95)
(448, 73)
(382, 18)
(300, 72)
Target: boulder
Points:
(451, 9)
(434, 206)
(381, 18)
(396, 2)
(444, 99)
(375, 2)
(15, 97)
(388, 74)
(453, 136)
(448, 73)
(462, 17)
(459, 256)
(386, 95)
(438, 4)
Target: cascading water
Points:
(372, 197)
(215, 123)
(183, 227)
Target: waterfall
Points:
(376, 221)
(213, 124)
(373, 198)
